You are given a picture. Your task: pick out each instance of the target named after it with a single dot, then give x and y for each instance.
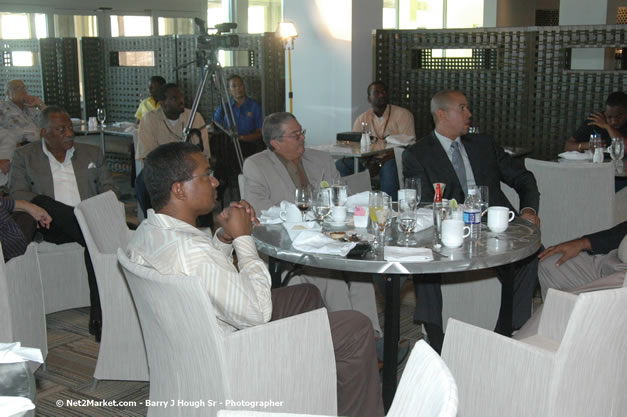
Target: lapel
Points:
(280, 169)
(80, 164)
(443, 169)
(40, 169)
(313, 169)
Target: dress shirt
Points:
(247, 116)
(146, 106)
(16, 125)
(394, 121)
(446, 144)
(170, 246)
(63, 178)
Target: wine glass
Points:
(407, 220)
(414, 183)
(321, 205)
(302, 199)
(617, 149)
(380, 208)
(101, 115)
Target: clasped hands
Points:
(237, 220)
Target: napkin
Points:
(15, 406)
(14, 353)
(271, 216)
(359, 199)
(404, 254)
(400, 139)
(424, 219)
(295, 229)
(315, 242)
(576, 156)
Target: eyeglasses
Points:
(295, 135)
(206, 174)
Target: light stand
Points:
(287, 32)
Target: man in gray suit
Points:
(273, 175)
(57, 174)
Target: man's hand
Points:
(39, 214)
(5, 165)
(235, 222)
(530, 215)
(243, 204)
(598, 119)
(568, 250)
(33, 101)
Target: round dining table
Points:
(520, 240)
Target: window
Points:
(131, 26)
(218, 11)
(67, 26)
(175, 26)
(263, 15)
(429, 14)
(22, 26)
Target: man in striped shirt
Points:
(182, 187)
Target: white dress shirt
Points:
(240, 298)
(63, 178)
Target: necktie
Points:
(458, 165)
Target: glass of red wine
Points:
(302, 199)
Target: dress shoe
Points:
(403, 351)
(95, 328)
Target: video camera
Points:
(218, 40)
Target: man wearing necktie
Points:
(451, 156)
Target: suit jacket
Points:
(609, 239)
(30, 173)
(267, 181)
(490, 165)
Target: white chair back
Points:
(122, 355)
(356, 183)
(241, 182)
(575, 198)
(398, 155)
(22, 315)
(427, 388)
(590, 370)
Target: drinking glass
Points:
(302, 199)
(339, 192)
(321, 205)
(484, 198)
(595, 142)
(617, 149)
(414, 183)
(101, 115)
(365, 128)
(406, 222)
(380, 209)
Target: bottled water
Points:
(472, 213)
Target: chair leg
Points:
(94, 384)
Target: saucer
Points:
(337, 224)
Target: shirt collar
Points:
(445, 141)
(68, 154)
(163, 221)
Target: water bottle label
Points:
(472, 217)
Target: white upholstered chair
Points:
(122, 355)
(575, 198)
(22, 315)
(191, 358)
(427, 389)
(398, 156)
(575, 366)
(359, 182)
(63, 276)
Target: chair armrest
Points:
(496, 376)
(266, 361)
(555, 314)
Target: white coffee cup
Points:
(499, 218)
(290, 213)
(338, 214)
(361, 217)
(454, 232)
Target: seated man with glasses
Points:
(273, 175)
(182, 187)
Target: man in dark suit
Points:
(57, 174)
(447, 155)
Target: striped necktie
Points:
(458, 165)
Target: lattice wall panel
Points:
(59, 67)
(30, 75)
(93, 75)
(525, 95)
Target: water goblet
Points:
(380, 209)
(101, 115)
(302, 199)
(321, 205)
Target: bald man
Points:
(19, 121)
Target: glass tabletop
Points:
(520, 240)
